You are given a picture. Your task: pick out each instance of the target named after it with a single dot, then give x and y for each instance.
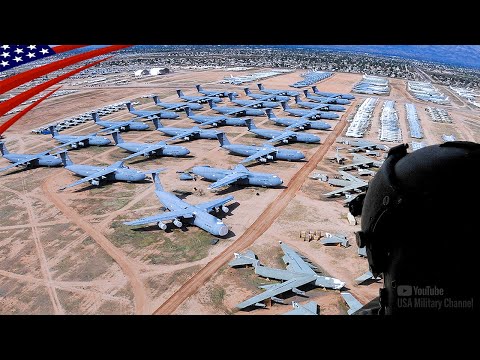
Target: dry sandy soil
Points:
(67, 252)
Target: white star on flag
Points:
(44, 51)
(17, 58)
(30, 55)
(5, 54)
(4, 63)
(5, 47)
(31, 47)
(18, 50)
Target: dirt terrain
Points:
(68, 252)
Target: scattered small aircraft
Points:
(197, 99)
(186, 134)
(310, 308)
(352, 303)
(214, 93)
(151, 114)
(262, 153)
(29, 160)
(332, 95)
(160, 148)
(309, 114)
(326, 100)
(215, 120)
(318, 106)
(77, 141)
(239, 175)
(299, 272)
(95, 175)
(285, 137)
(266, 97)
(119, 125)
(297, 123)
(235, 110)
(182, 212)
(277, 92)
(176, 106)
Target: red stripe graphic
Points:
(14, 119)
(24, 77)
(63, 48)
(17, 100)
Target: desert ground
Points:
(68, 252)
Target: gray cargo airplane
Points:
(266, 97)
(96, 174)
(176, 106)
(255, 104)
(299, 272)
(360, 161)
(239, 175)
(235, 110)
(310, 308)
(309, 114)
(361, 145)
(285, 137)
(182, 212)
(29, 160)
(214, 93)
(297, 123)
(277, 92)
(215, 120)
(142, 149)
(151, 114)
(186, 134)
(119, 125)
(262, 153)
(349, 185)
(332, 95)
(197, 99)
(326, 100)
(318, 106)
(77, 141)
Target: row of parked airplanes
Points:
(179, 209)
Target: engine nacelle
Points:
(162, 225)
(123, 128)
(95, 182)
(225, 209)
(262, 160)
(285, 141)
(177, 223)
(214, 124)
(186, 138)
(217, 209)
(301, 127)
(269, 157)
(74, 146)
(81, 143)
(146, 155)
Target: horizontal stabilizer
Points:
(247, 258)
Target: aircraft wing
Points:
(91, 177)
(297, 124)
(294, 261)
(185, 133)
(227, 180)
(210, 122)
(116, 126)
(348, 176)
(86, 137)
(357, 184)
(277, 289)
(145, 151)
(23, 162)
(170, 215)
(259, 154)
(283, 136)
(254, 103)
(320, 108)
(307, 309)
(175, 107)
(352, 303)
(209, 205)
(233, 112)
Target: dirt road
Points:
(263, 222)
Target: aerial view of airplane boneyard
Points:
(209, 189)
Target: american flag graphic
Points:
(12, 56)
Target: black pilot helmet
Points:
(420, 225)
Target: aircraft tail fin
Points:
(156, 180)
(3, 148)
(53, 130)
(180, 93)
(250, 124)
(117, 138)
(199, 87)
(222, 138)
(314, 88)
(260, 86)
(211, 104)
(247, 258)
(247, 91)
(305, 91)
(157, 123)
(284, 105)
(129, 106)
(188, 111)
(65, 158)
(297, 99)
(156, 100)
(95, 116)
(230, 96)
(270, 113)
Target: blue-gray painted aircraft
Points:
(77, 141)
(175, 106)
(255, 104)
(266, 97)
(239, 175)
(318, 106)
(151, 114)
(263, 153)
(325, 100)
(29, 160)
(186, 134)
(297, 123)
(285, 137)
(309, 114)
(215, 120)
(277, 92)
(182, 212)
(160, 148)
(332, 95)
(197, 99)
(119, 125)
(235, 110)
(214, 93)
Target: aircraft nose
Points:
(106, 141)
(222, 230)
(186, 152)
(140, 177)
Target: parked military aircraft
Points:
(266, 97)
(182, 212)
(29, 160)
(361, 145)
(255, 104)
(326, 100)
(151, 114)
(309, 114)
(281, 136)
(333, 239)
(366, 277)
(176, 106)
(76, 141)
(214, 93)
(340, 159)
(277, 92)
(349, 185)
(299, 272)
(360, 161)
(297, 123)
(160, 148)
(310, 308)
(318, 106)
(329, 94)
(239, 175)
(119, 125)
(352, 303)
(197, 99)
(235, 110)
(186, 134)
(95, 175)
(262, 153)
(215, 120)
